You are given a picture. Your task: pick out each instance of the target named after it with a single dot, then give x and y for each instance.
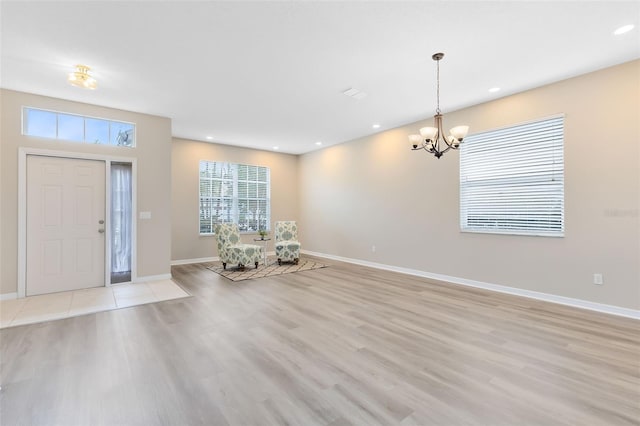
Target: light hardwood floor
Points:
(336, 346)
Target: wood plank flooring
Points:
(344, 345)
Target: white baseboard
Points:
(190, 261)
(562, 300)
(8, 296)
(148, 278)
(205, 259)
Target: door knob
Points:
(101, 231)
(101, 222)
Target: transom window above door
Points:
(77, 128)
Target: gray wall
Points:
(153, 154)
(376, 191)
(187, 244)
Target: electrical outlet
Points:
(373, 249)
(597, 279)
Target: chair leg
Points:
(224, 265)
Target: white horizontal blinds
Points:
(216, 194)
(253, 197)
(512, 179)
(234, 193)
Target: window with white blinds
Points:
(234, 193)
(512, 180)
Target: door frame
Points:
(23, 152)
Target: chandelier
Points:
(81, 78)
(432, 139)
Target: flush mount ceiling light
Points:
(81, 78)
(432, 139)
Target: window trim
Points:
(534, 233)
(84, 117)
(235, 189)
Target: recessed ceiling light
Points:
(209, 138)
(275, 148)
(376, 126)
(624, 29)
(351, 92)
(354, 93)
(318, 143)
(494, 89)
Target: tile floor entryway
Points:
(54, 306)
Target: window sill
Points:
(513, 233)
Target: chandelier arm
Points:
(448, 148)
(436, 145)
(441, 134)
(450, 145)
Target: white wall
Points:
(376, 191)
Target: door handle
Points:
(101, 231)
(101, 222)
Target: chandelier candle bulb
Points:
(459, 132)
(415, 140)
(429, 133)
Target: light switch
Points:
(145, 215)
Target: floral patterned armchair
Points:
(286, 244)
(231, 250)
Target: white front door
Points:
(65, 224)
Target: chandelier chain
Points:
(438, 87)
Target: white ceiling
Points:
(265, 74)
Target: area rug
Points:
(262, 271)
